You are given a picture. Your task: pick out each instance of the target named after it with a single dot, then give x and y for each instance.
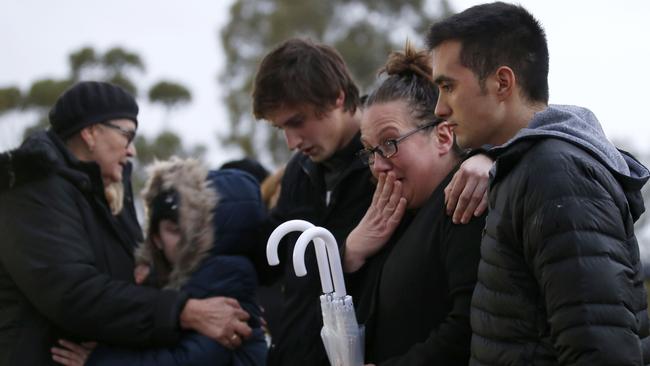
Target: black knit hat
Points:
(91, 102)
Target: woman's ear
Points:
(445, 137)
(88, 136)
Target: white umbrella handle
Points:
(321, 253)
(334, 258)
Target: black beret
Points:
(91, 102)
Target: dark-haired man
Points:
(305, 89)
(560, 279)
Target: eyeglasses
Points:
(129, 134)
(388, 148)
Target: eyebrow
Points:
(292, 119)
(443, 79)
(364, 140)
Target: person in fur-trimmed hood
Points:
(184, 250)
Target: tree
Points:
(170, 95)
(81, 60)
(160, 147)
(10, 98)
(364, 31)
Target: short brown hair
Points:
(302, 72)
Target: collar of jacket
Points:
(507, 157)
(41, 155)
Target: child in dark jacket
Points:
(197, 221)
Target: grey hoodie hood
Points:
(581, 127)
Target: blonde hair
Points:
(114, 193)
(270, 188)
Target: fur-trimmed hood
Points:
(197, 201)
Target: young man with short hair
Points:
(560, 279)
(305, 89)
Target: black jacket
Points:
(303, 196)
(418, 289)
(66, 263)
(560, 280)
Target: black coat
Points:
(560, 280)
(303, 196)
(66, 263)
(418, 289)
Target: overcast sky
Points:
(599, 55)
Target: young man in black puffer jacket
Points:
(560, 281)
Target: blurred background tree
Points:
(120, 67)
(170, 96)
(364, 31)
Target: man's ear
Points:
(340, 100)
(445, 137)
(505, 82)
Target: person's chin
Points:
(315, 158)
(314, 155)
(116, 178)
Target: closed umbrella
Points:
(342, 336)
(321, 255)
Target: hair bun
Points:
(408, 63)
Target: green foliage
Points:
(10, 98)
(169, 94)
(364, 31)
(161, 147)
(82, 59)
(43, 93)
(117, 60)
(124, 82)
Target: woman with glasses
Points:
(69, 230)
(416, 269)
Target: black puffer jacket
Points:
(560, 279)
(66, 263)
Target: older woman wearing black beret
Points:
(68, 232)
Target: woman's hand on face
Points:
(72, 354)
(466, 194)
(378, 224)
